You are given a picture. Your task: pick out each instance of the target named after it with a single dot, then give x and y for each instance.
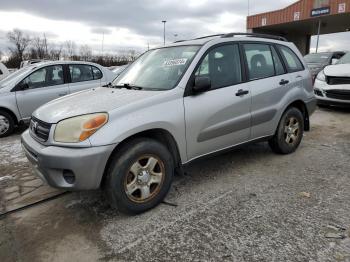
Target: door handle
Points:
(62, 94)
(242, 92)
(284, 82)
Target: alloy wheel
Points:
(291, 130)
(4, 124)
(144, 179)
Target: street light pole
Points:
(248, 8)
(318, 34)
(164, 21)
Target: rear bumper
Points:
(67, 168)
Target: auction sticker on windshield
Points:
(175, 62)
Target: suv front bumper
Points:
(67, 168)
(320, 90)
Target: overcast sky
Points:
(133, 24)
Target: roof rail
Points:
(202, 37)
(207, 36)
(276, 37)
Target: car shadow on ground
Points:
(345, 110)
(94, 205)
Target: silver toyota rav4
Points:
(172, 105)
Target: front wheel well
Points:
(10, 113)
(161, 135)
(299, 104)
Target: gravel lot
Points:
(245, 205)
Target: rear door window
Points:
(259, 60)
(279, 69)
(291, 59)
(80, 73)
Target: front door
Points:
(220, 117)
(41, 86)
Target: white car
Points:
(119, 69)
(332, 84)
(34, 85)
(4, 72)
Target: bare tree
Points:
(85, 53)
(70, 49)
(56, 52)
(40, 47)
(20, 42)
(1, 55)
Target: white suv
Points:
(332, 85)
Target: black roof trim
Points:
(275, 37)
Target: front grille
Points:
(335, 80)
(338, 94)
(40, 129)
(318, 92)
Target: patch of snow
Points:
(11, 152)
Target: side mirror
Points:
(334, 61)
(201, 84)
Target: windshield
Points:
(319, 58)
(345, 59)
(12, 77)
(158, 69)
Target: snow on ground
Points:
(11, 152)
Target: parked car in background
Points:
(317, 61)
(32, 86)
(31, 62)
(4, 72)
(119, 69)
(332, 84)
(172, 105)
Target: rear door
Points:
(42, 86)
(298, 75)
(268, 82)
(220, 117)
(84, 76)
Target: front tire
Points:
(139, 176)
(289, 132)
(7, 124)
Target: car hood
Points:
(100, 99)
(341, 70)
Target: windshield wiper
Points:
(127, 86)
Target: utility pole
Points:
(318, 34)
(103, 39)
(248, 7)
(164, 21)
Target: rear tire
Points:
(139, 176)
(7, 124)
(289, 132)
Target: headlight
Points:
(79, 128)
(321, 76)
